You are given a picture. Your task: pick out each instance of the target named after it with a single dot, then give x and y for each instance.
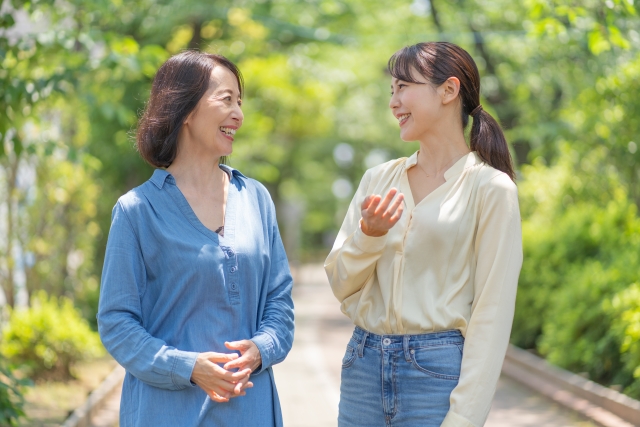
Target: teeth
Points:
(228, 131)
(403, 117)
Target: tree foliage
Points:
(560, 76)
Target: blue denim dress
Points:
(171, 288)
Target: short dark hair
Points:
(177, 88)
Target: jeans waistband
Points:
(393, 341)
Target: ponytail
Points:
(487, 139)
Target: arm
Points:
(274, 336)
(498, 253)
(355, 254)
(120, 317)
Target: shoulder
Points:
(386, 167)
(495, 181)
(496, 190)
(133, 199)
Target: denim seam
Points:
(430, 373)
(352, 358)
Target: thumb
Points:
(236, 345)
(221, 357)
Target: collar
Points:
(464, 162)
(160, 176)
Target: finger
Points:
(240, 386)
(241, 345)
(375, 201)
(366, 202)
(396, 216)
(384, 204)
(393, 207)
(217, 398)
(240, 363)
(221, 357)
(224, 376)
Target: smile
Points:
(228, 131)
(403, 118)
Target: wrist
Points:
(369, 232)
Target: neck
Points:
(195, 169)
(440, 149)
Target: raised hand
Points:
(379, 215)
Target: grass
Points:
(50, 403)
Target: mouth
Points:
(403, 118)
(228, 132)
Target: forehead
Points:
(222, 79)
(415, 75)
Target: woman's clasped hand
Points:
(231, 380)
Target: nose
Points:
(237, 115)
(394, 102)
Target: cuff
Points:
(369, 243)
(183, 363)
(454, 420)
(264, 342)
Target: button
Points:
(230, 252)
(234, 286)
(233, 269)
(412, 352)
(386, 341)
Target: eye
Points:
(401, 85)
(240, 102)
(227, 98)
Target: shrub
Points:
(11, 399)
(48, 338)
(578, 300)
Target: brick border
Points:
(602, 405)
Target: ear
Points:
(449, 90)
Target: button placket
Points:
(231, 266)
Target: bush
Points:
(577, 301)
(11, 399)
(48, 338)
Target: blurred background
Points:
(561, 76)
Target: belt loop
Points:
(361, 345)
(405, 346)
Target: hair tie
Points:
(476, 110)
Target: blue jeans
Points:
(399, 380)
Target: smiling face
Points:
(417, 106)
(211, 126)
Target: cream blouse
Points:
(451, 262)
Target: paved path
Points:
(308, 380)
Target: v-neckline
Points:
(406, 186)
(229, 212)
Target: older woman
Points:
(196, 290)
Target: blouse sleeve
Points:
(274, 336)
(498, 254)
(120, 317)
(354, 255)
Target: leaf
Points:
(598, 42)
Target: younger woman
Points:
(426, 263)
